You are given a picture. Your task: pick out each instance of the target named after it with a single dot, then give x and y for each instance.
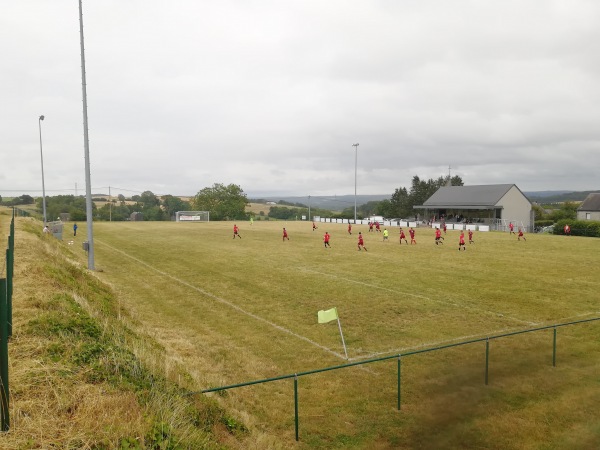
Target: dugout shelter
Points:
(495, 205)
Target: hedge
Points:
(578, 227)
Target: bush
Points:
(578, 227)
(544, 223)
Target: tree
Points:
(568, 210)
(173, 204)
(400, 204)
(154, 213)
(149, 199)
(223, 202)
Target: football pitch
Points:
(232, 310)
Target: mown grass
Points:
(231, 311)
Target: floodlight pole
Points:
(42, 159)
(86, 143)
(309, 208)
(355, 172)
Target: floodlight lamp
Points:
(41, 117)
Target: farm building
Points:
(589, 208)
(495, 205)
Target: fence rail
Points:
(399, 357)
(6, 291)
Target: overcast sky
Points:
(271, 95)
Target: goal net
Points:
(191, 216)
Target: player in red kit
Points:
(370, 227)
(326, 240)
(377, 227)
(361, 243)
(471, 241)
(438, 236)
(349, 228)
(402, 236)
(511, 227)
(520, 235)
(412, 236)
(461, 241)
(236, 231)
(285, 235)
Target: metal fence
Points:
(6, 290)
(399, 357)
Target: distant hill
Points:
(557, 196)
(333, 203)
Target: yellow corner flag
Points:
(327, 316)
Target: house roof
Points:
(467, 197)
(591, 203)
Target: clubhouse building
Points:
(494, 205)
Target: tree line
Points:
(228, 202)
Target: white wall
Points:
(594, 215)
(516, 208)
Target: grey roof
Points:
(467, 197)
(591, 203)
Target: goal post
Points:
(192, 216)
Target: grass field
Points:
(236, 310)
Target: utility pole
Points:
(355, 172)
(86, 144)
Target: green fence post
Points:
(487, 360)
(554, 349)
(296, 404)
(4, 412)
(9, 288)
(399, 378)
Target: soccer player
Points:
(412, 236)
(386, 233)
(438, 236)
(314, 226)
(377, 228)
(403, 236)
(326, 240)
(520, 235)
(511, 227)
(471, 241)
(567, 230)
(74, 229)
(236, 231)
(285, 235)
(349, 228)
(370, 227)
(461, 241)
(444, 227)
(361, 243)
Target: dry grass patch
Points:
(75, 381)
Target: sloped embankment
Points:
(78, 374)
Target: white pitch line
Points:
(225, 302)
(395, 291)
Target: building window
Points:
(588, 216)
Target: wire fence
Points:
(398, 357)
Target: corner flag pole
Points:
(342, 335)
(328, 316)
